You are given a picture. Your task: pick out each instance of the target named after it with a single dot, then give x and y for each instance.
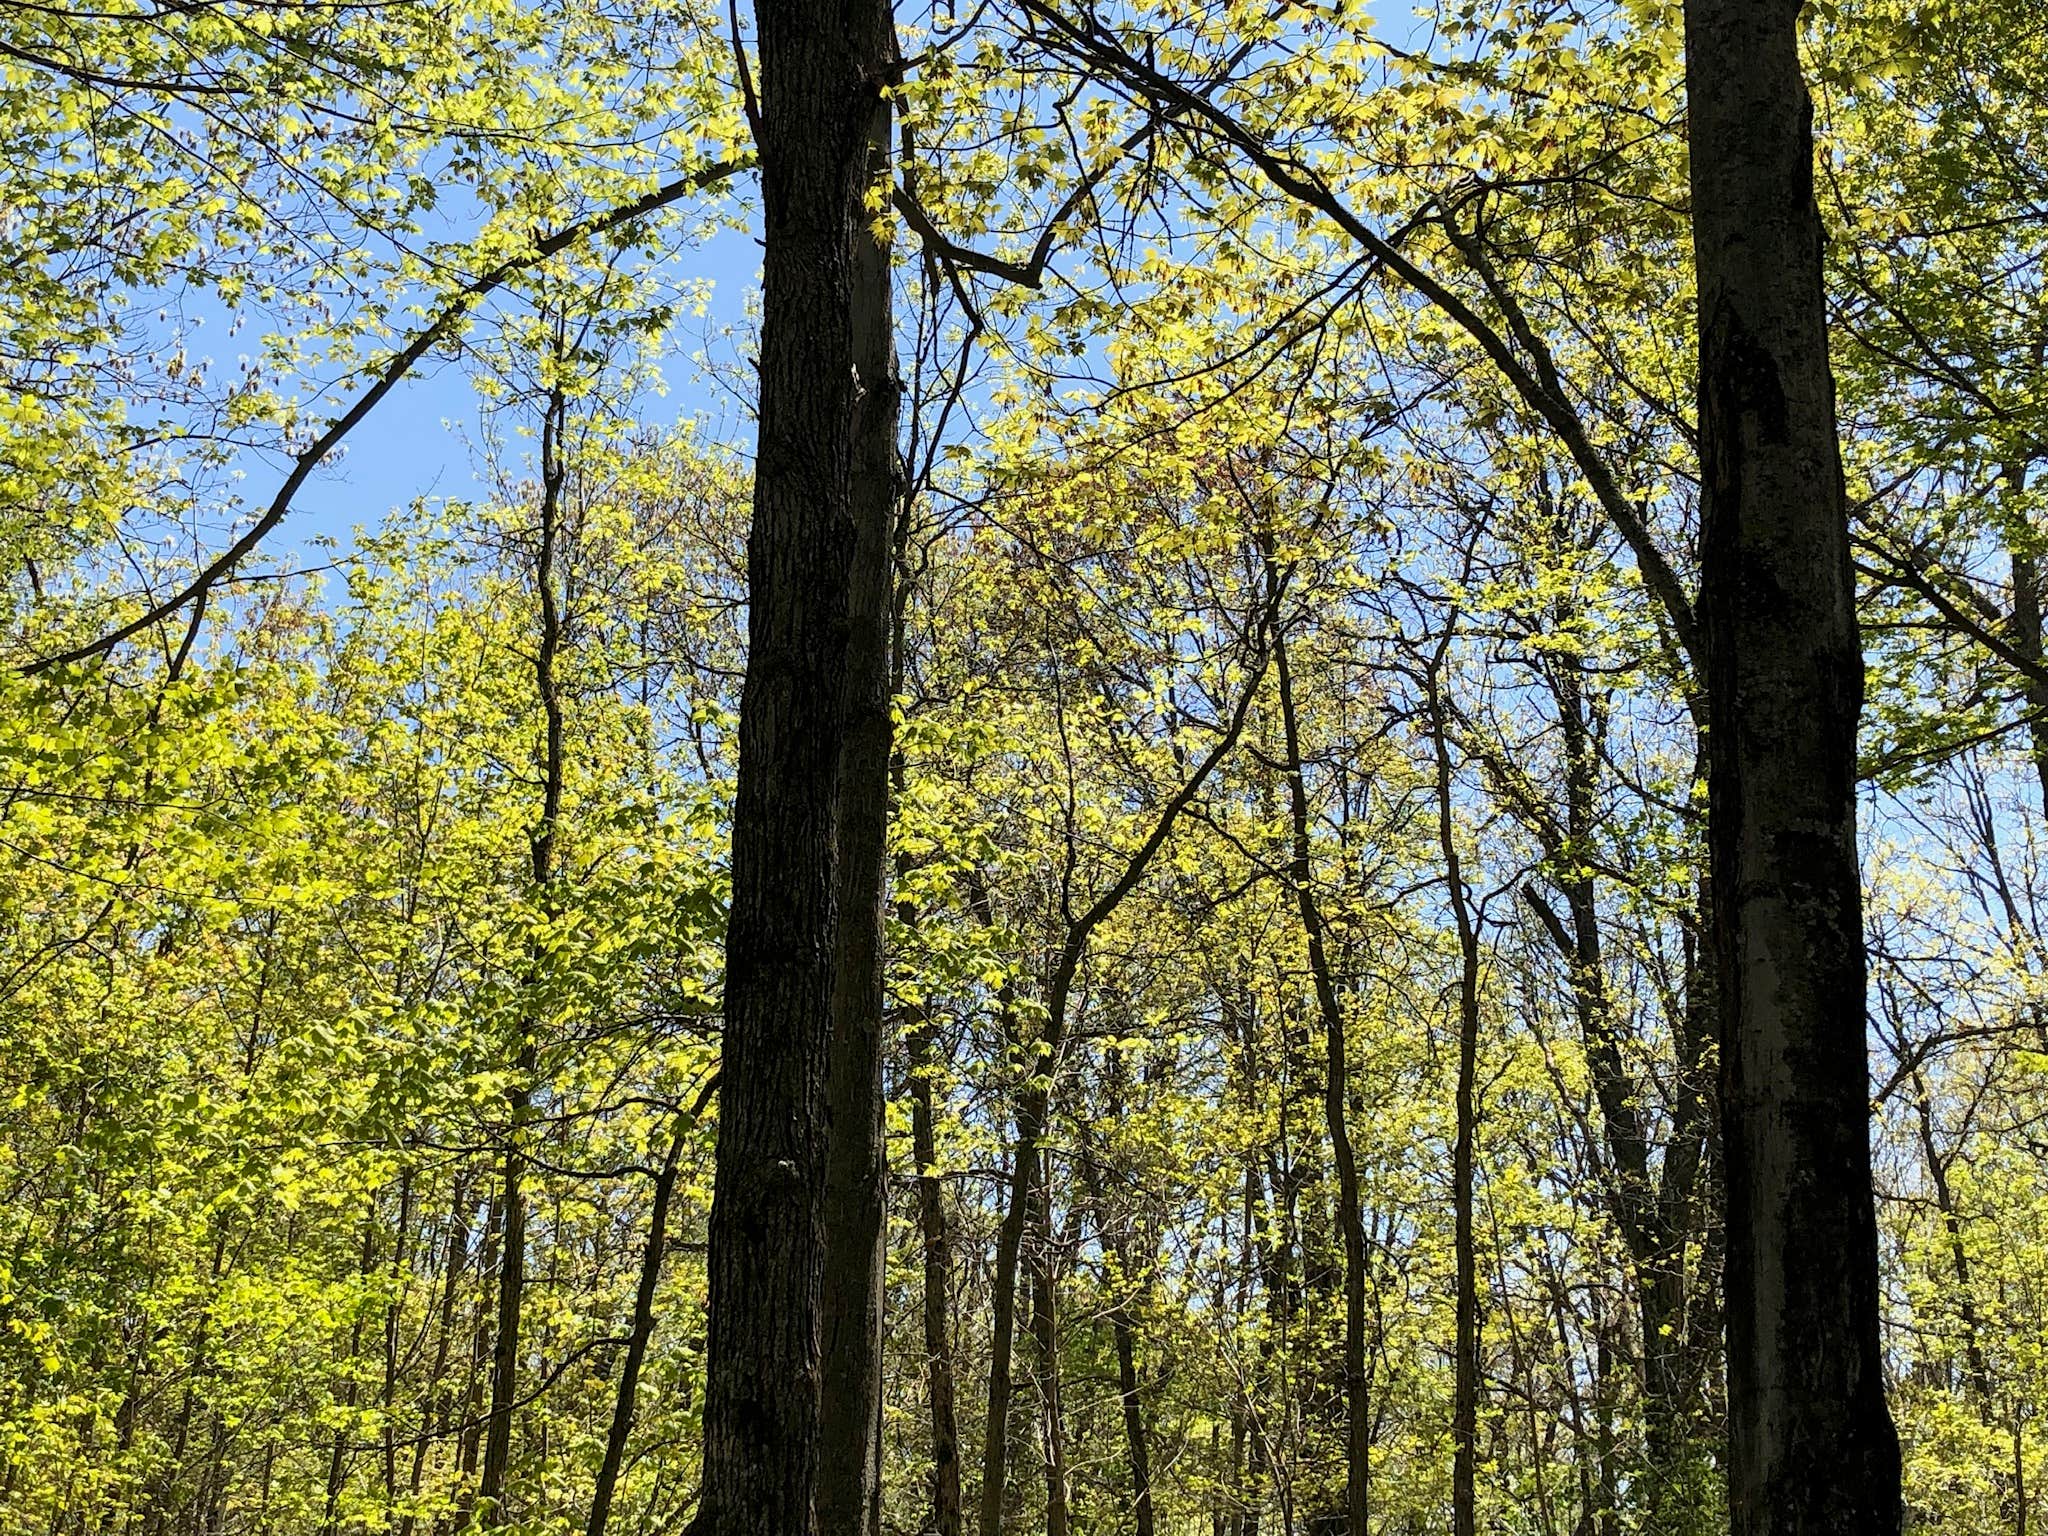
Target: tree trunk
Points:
(519, 1097)
(437, 1406)
(1656, 1218)
(642, 1331)
(393, 1317)
(470, 1441)
(856, 1194)
(1465, 1401)
(1336, 1097)
(823, 68)
(1045, 1339)
(1117, 1282)
(936, 1245)
(1811, 1444)
(2026, 631)
(337, 1456)
(505, 1337)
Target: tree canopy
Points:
(1185, 680)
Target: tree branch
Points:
(453, 312)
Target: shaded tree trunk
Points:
(1336, 1097)
(823, 69)
(1465, 1399)
(393, 1317)
(849, 1486)
(1045, 1339)
(337, 1456)
(2026, 631)
(437, 1400)
(1657, 1217)
(1811, 1443)
(541, 856)
(935, 1245)
(1127, 1273)
(470, 1441)
(642, 1329)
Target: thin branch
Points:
(456, 308)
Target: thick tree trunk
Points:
(1336, 1097)
(823, 70)
(1811, 1444)
(849, 1488)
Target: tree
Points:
(822, 78)
(1811, 1443)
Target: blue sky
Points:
(421, 440)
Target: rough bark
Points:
(1811, 1444)
(822, 74)
(849, 1488)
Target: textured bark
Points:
(1336, 1096)
(821, 81)
(849, 1478)
(1811, 1444)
